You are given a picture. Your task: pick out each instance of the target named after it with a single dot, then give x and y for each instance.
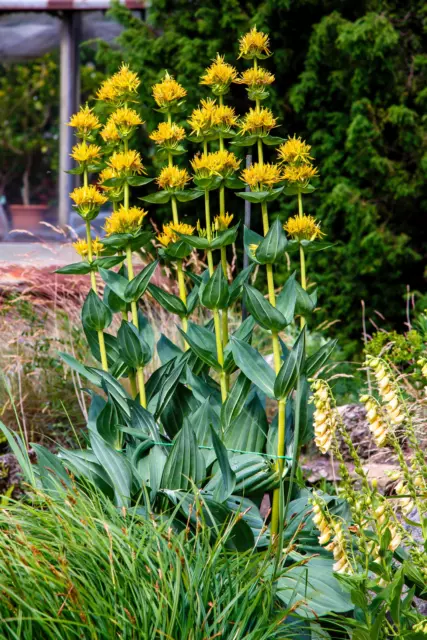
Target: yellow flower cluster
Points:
(81, 247)
(295, 154)
(211, 117)
(84, 121)
(171, 231)
(126, 163)
(254, 44)
(224, 117)
(125, 220)
(303, 228)
(85, 154)
(219, 163)
(109, 133)
(387, 391)
(87, 200)
(168, 92)
(331, 528)
(258, 122)
(261, 176)
(300, 174)
(173, 178)
(222, 222)
(321, 522)
(295, 150)
(219, 75)
(325, 416)
(168, 135)
(124, 120)
(256, 78)
(122, 86)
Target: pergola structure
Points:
(69, 12)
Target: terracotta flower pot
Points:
(27, 216)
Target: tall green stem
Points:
(134, 310)
(302, 258)
(101, 341)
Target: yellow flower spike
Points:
(303, 228)
(387, 390)
(259, 122)
(125, 82)
(82, 249)
(300, 174)
(256, 78)
(168, 135)
(85, 121)
(261, 176)
(377, 423)
(224, 117)
(294, 150)
(219, 163)
(254, 44)
(87, 201)
(203, 119)
(222, 222)
(126, 162)
(125, 220)
(173, 178)
(107, 92)
(325, 416)
(85, 153)
(170, 235)
(168, 92)
(125, 120)
(219, 75)
(109, 133)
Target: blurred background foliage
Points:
(351, 78)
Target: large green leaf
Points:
(136, 287)
(202, 342)
(318, 359)
(185, 464)
(96, 316)
(107, 423)
(215, 294)
(235, 400)
(314, 589)
(248, 431)
(167, 350)
(254, 475)
(286, 299)
(244, 333)
(77, 268)
(116, 282)
(92, 375)
(52, 473)
(253, 365)
(263, 311)
(168, 387)
(134, 351)
(117, 468)
(273, 246)
(288, 374)
(168, 301)
(236, 287)
(251, 241)
(225, 488)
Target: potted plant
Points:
(28, 95)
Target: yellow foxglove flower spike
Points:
(377, 423)
(387, 391)
(325, 416)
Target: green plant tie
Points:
(256, 453)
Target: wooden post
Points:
(69, 85)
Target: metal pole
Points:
(69, 81)
(248, 225)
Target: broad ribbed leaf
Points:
(96, 316)
(318, 359)
(244, 333)
(291, 368)
(168, 301)
(215, 294)
(248, 431)
(225, 488)
(192, 299)
(305, 302)
(185, 464)
(168, 387)
(273, 246)
(92, 375)
(116, 282)
(106, 423)
(236, 286)
(251, 241)
(224, 238)
(235, 400)
(286, 299)
(51, 470)
(134, 351)
(253, 366)
(263, 311)
(136, 287)
(77, 268)
(117, 468)
(194, 337)
(159, 197)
